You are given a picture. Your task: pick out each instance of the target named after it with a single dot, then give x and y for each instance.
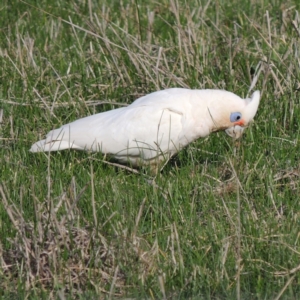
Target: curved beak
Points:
(235, 131)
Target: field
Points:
(220, 221)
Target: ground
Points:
(221, 221)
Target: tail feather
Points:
(43, 146)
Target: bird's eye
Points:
(235, 116)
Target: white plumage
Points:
(156, 126)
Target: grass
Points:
(222, 219)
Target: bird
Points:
(156, 126)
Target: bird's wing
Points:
(152, 132)
(142, 131)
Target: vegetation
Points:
(221, 221)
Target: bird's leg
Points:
(154, 168)
(158, 165)
(165, 163)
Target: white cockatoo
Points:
(156, 126)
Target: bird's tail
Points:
(43, 146)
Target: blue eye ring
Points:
(235, 117)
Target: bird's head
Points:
(235, 114)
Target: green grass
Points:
(222, 219)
